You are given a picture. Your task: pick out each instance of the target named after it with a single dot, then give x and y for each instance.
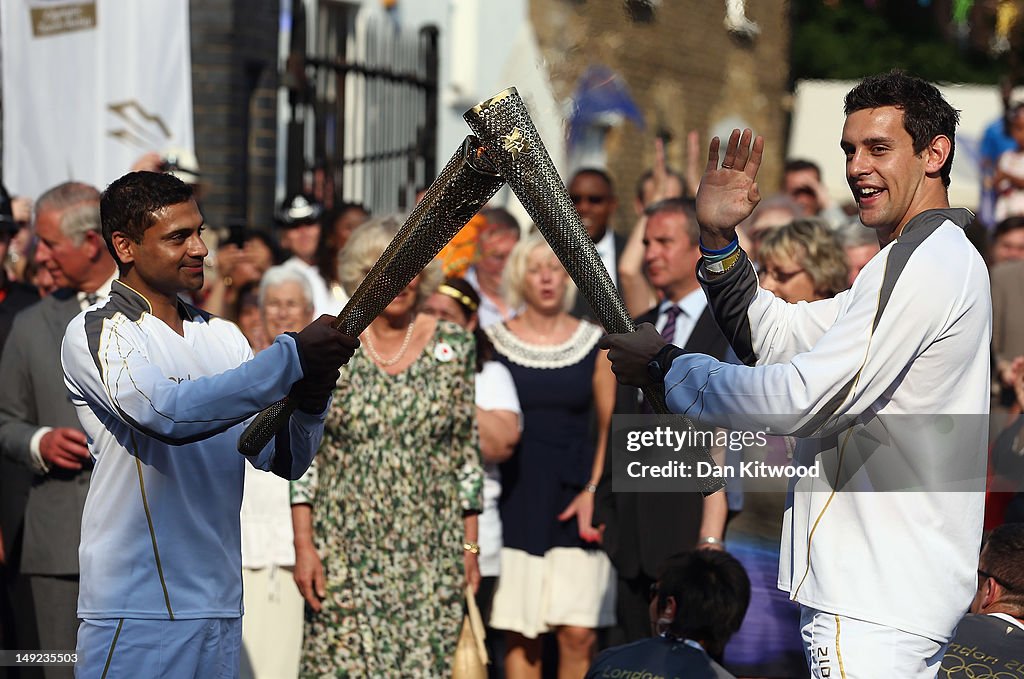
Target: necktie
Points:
(668, 333)
(87, 299)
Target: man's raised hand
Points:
(727, 195)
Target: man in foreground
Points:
(871, 380)
(990, 640)
(163, 391)
(697, 604)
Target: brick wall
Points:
(684, 70)
(234, 81)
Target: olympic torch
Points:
(459, 192)
(512, 143)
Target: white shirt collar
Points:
(104, 290)
(606, 246)
(1008, 618)
(101, 292)
(692, 304)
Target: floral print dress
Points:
(398, 468)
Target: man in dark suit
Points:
(38, 425)
(643, 529)
(593, 194)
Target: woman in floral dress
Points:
(385, 519)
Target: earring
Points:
(662, 625)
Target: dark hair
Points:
(926, 114)
(344, 206)
(129, 204)
(595, 172)
(711, 590)
(277, 255)
(649, 174)
(7, 223)
(1007, 225)
(501, 219)
(327, 250)
(683, 206)
(799, 165)
(484, 348)
(1003, 559)
(1008, 116)
(248, 295)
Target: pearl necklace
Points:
(401, 350)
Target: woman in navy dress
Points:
(554, 576)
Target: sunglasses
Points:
(1002, 583)
(592, 200)
(781, 276)
(654, 590)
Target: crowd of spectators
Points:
(467, 442)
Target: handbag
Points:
(470, 661)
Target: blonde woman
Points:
(803, 261)
(385, 520)
(554, 576)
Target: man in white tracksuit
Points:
(886, 384)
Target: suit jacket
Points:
(581, 308)
(34, 395)
(18, 297)
(643, 529)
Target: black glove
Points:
(310, 394)
(631, 352)
(322, 349)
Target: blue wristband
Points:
(724, 251)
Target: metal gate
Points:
(362, 107)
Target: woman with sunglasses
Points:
(803, 261)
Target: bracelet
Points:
(708, 259)
(709, 540)
(590, 487)
(471, 547)
(723, 265)
(724, 251)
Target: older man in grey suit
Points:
(38, 425)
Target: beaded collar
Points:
(546, 356)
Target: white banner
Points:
(89, 86)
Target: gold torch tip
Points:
(484, 105)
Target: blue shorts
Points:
(207, 648)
